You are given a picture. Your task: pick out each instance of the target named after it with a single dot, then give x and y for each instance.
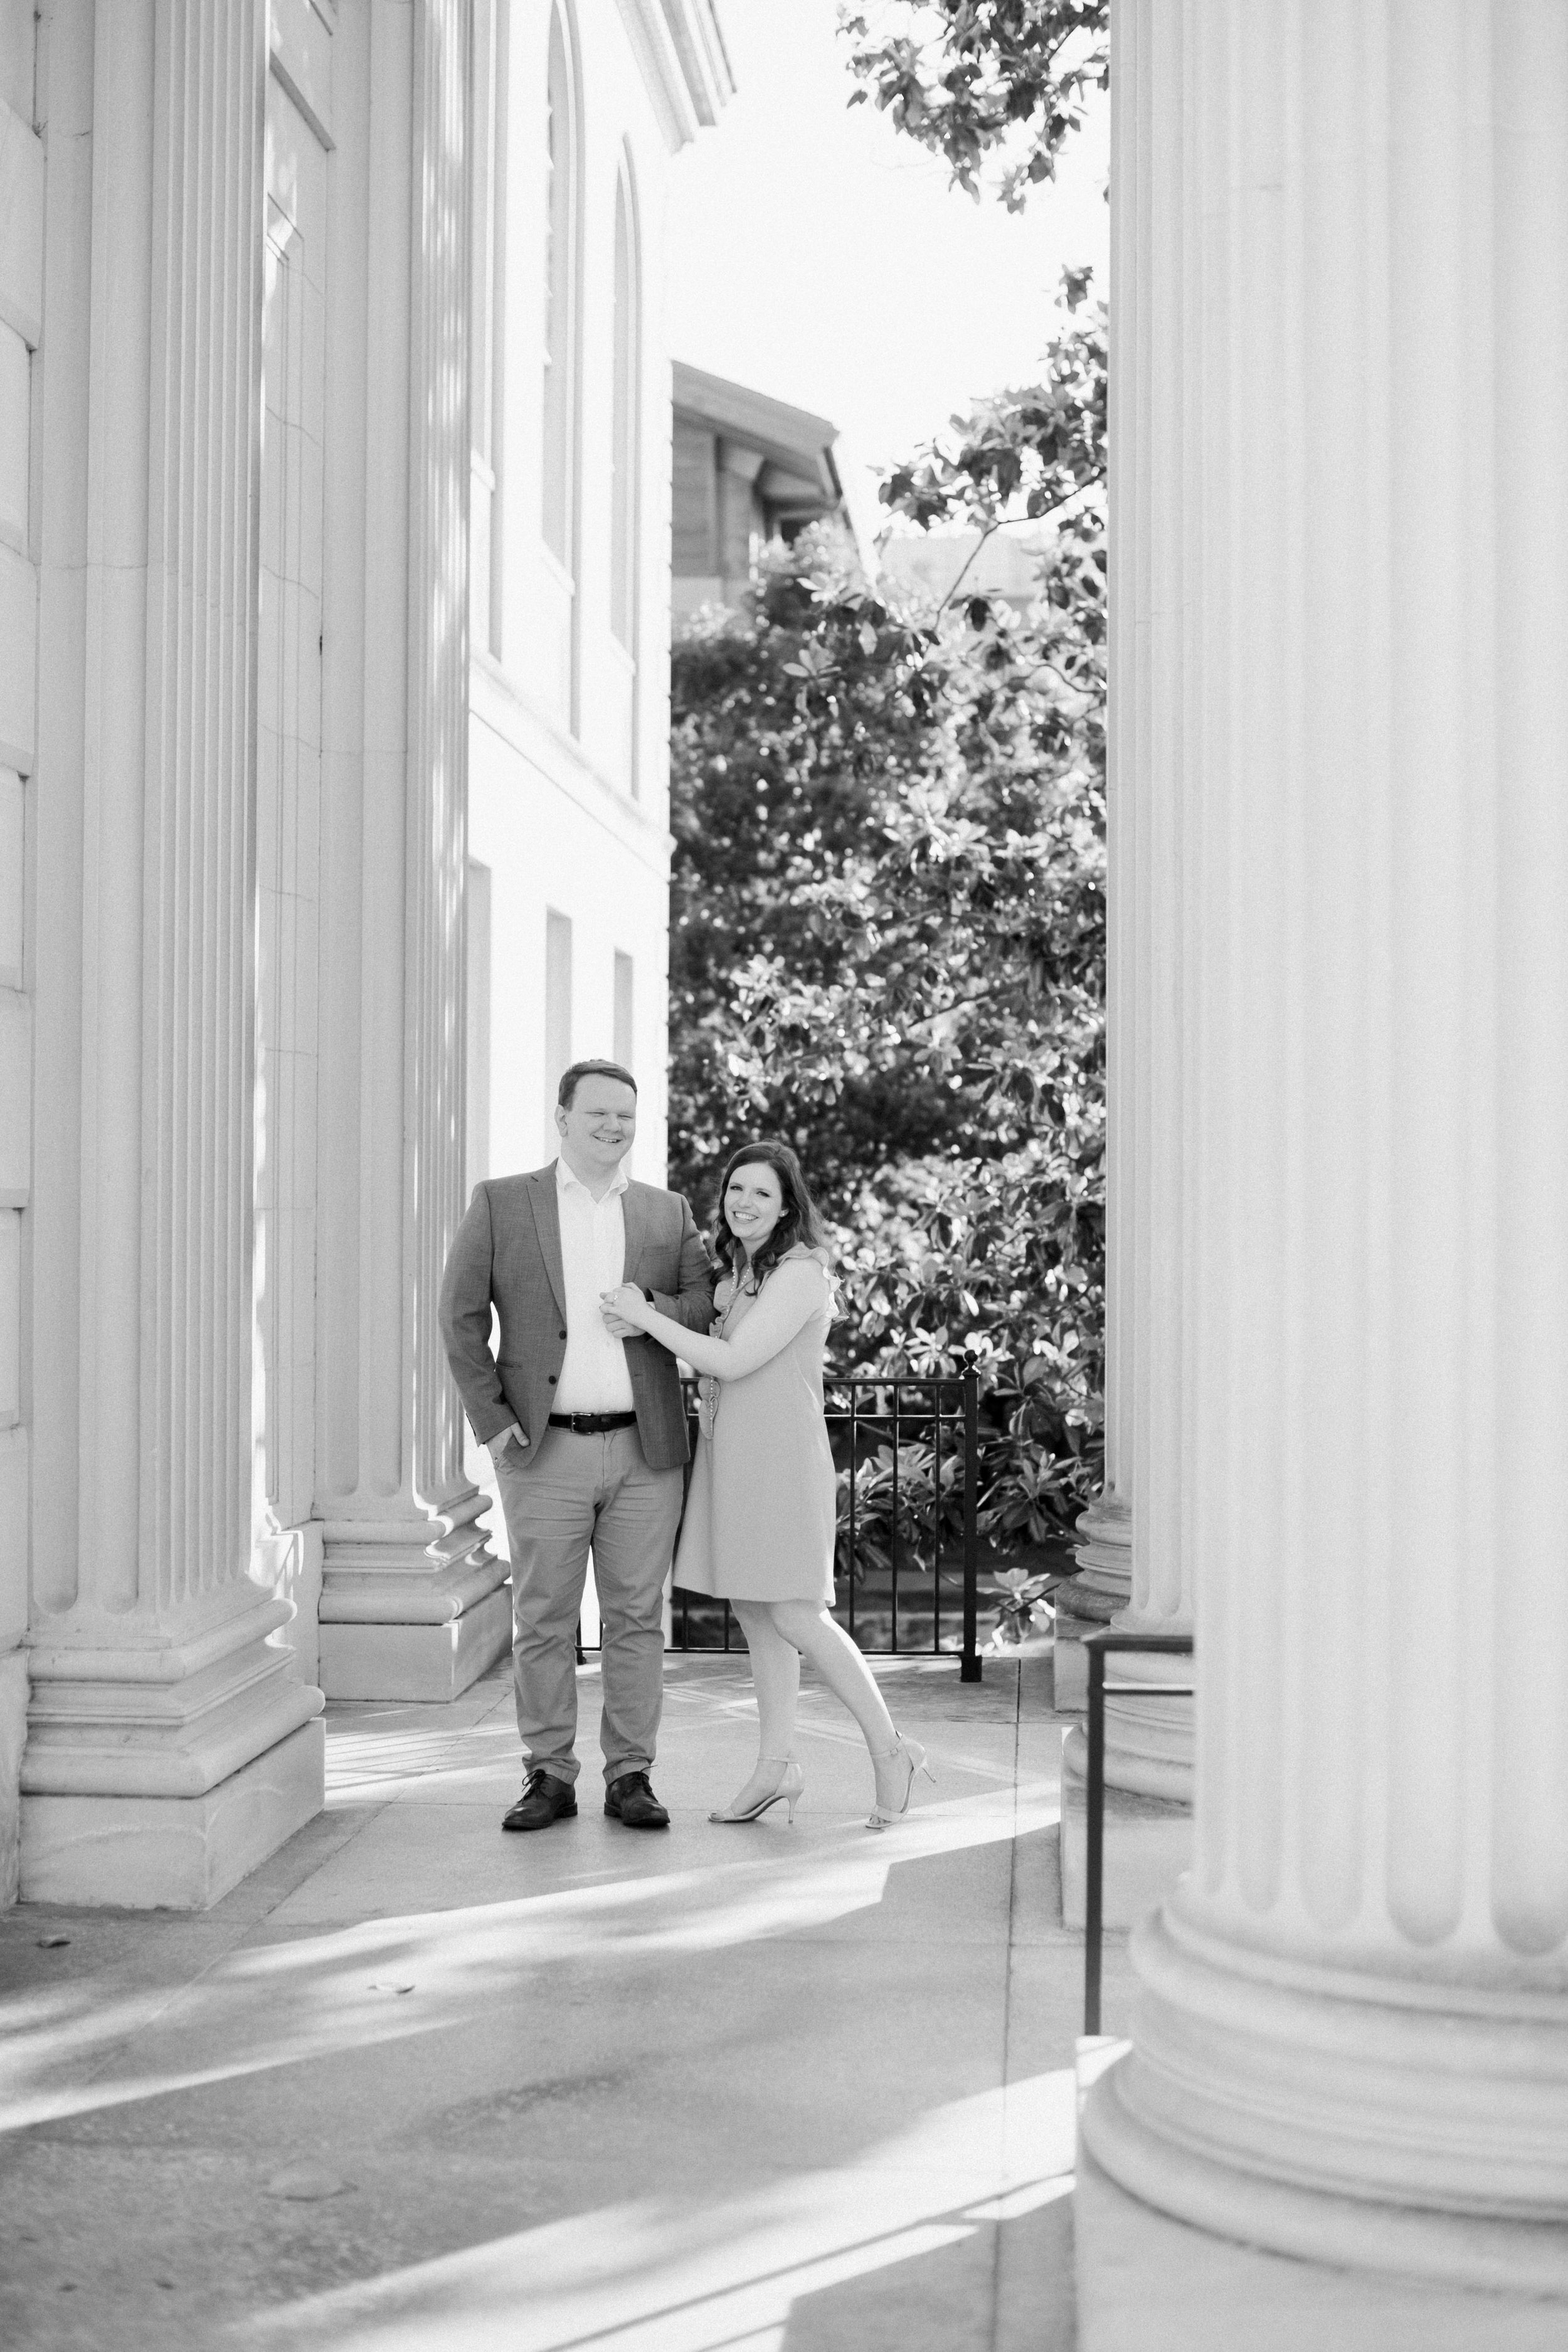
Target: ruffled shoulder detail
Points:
(801, 1255)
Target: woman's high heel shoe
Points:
(909, 1753)
(791, 1787)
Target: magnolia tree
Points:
(888, 908)
(888, 932)
(983, 80)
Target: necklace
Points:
(709, 1386)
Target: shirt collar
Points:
(566, 1183)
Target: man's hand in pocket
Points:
(509, 1436)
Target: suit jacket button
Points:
(552, 1380)
(563, 1335)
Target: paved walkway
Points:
(420, 2085)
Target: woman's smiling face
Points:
(753, 1203)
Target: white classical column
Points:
(1135, 1566)
(1104, 1546)
(413, 1601)
(170, 1745)
(1351, 2038)
(1149, 1742)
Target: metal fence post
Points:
(969, 1670)
(853, 1476)
(1093, 1902)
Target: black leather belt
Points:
(592, 1424)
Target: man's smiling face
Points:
(598, 1126)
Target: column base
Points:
(1102, 1587)
(1408, 2126)
(289, 1561)
(1149, 2283)
(1148, 1844)
(12, 1737)
(175, 1854)
(1104, 1552)
(1078, 1612)
(414, 1607)
(1149, 1741)
(416, 1662)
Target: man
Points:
(585, 1426)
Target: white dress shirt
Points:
(593, 1378)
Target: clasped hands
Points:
(626, 1311)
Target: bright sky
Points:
(820, 256)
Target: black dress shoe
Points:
(632, 1800)
(544, 1799)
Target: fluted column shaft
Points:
(1352, 2030)
(198, 1056)
(1146, 1551)
(439, 470)
(152, 1679)
(411, 1605)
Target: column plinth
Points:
(1350, 2034)
(158, 1774)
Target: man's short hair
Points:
(566, 1092)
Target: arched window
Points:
(624, 469)
(560, 456)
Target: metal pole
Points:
(854, 1474)
(1099, 1646)
(1093, 1901)
(969, 1672)
(936, 1405)
(893, 1534)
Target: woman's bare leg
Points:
(775, 1676)
(813, 1633)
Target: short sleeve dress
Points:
(761, 1507)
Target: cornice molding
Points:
(679, 48)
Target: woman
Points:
(760, 1516)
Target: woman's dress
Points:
(761, 1507)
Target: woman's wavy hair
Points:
(798, 1226)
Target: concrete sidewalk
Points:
(419, 2084)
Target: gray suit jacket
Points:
(507, 1250)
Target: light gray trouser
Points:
(577, 1492)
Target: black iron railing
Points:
(905, 1452)
(1168, 1645)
